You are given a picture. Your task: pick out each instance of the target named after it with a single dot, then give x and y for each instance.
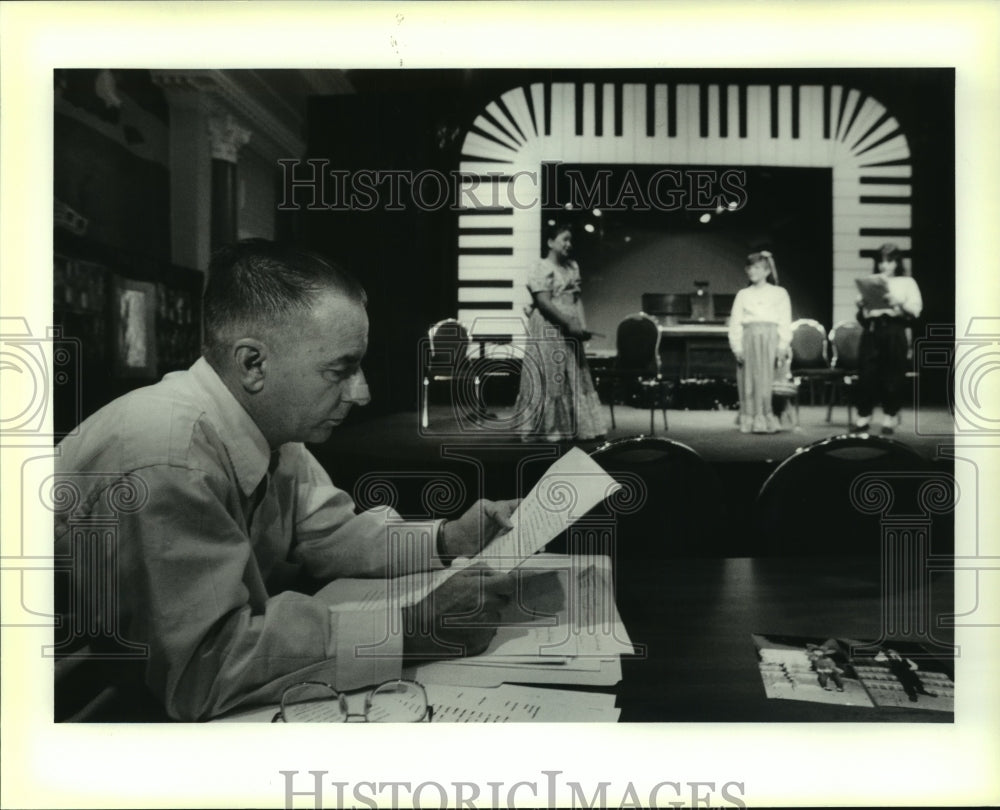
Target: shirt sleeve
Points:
(784, 318)
(332, 540)
(736, 323)
(215, 638)
(539, 277)
(913, 303)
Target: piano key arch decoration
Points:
(725, 125)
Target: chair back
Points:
(809, 347)
(449, 344)
(669, 504)
(638, 345)
(831, 497)
(845, 338)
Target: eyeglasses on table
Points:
(396, 701)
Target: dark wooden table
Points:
(695, 618)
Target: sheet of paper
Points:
(873, 290)
(564, 606)
(512, 704)
(499, 704)
(608, 673)
(376, 594)
(570, 488)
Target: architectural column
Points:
(227, 136)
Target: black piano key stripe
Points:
(795, 111)
(619, 106)
(742, 98)
(599, 110)
(578, 108)
(490, 136)
(854, 115)
(885, 200)
(485, 251)
(703, 110)
(485, 305)
(487, 211)
(498, 283)
(526, 92)
(724, 111)
(773, 93)
(671, 110)
(650, 110)
(885, 181)
(512, 121)
(485, 231)
(515, 141)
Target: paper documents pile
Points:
(562, 625)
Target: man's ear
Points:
(251, 357)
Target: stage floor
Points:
(712, 434)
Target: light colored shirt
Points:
(767, 303)
(222, 527)
(911, 303)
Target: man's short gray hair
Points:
(256, 283)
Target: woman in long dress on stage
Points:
(557, 399)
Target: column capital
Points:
(227, 137)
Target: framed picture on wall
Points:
(133, 315)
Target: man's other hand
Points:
(458, 618)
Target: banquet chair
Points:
(636, 367)
(445, 356)
(814, 502)
(845, 342)
(669, 504)
(810, 359)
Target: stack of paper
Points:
(475, 704)
(562, 625)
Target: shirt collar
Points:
(247, 447)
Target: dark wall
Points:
(404, 258)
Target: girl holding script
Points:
(890, 300)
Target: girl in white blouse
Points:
(760, 326)
(885, 344)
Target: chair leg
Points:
(611, 404)
(652, 424)
(834, 391)
(423, 404)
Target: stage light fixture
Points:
(704, 219)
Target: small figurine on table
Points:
(905, 671)
(825, 667)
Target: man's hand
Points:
(483, 521)
(458, 618)
(739, 358)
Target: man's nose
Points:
(357, 389)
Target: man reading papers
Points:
(220, 509)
